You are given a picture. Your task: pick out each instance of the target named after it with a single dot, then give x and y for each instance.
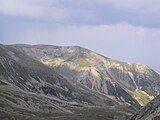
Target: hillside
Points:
(55, 82)
(150, 112)
(123, 82)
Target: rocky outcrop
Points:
(150, 112)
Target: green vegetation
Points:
(7, 111)
(82, 62)
(142, 97)
(79, 114)
(94, 114)
(9, 98)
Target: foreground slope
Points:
(122, 82)
(20, 105)
(150, 112)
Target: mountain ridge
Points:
(76, 46)
(70, 79)
(81, 57)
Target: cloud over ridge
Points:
(127, 30)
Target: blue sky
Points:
(127, 30)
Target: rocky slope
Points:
(122, 82)
(30, 89)
(150, 112)
(54, 82)
(27, 74)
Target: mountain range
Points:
(43, 82)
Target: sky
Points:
(126, 30)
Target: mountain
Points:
(31, 90)
(123, 82)
(150, 112)
(55, 82)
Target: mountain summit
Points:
(57, 79)
(118, 80)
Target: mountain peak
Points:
(75, 76)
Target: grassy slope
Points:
(19, 105)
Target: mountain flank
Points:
(71, 82)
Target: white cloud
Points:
(95, 24)
(138, 5)
(19, 8)
(122, 41)
(135, 12)
(43, 9)
(85, 34)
